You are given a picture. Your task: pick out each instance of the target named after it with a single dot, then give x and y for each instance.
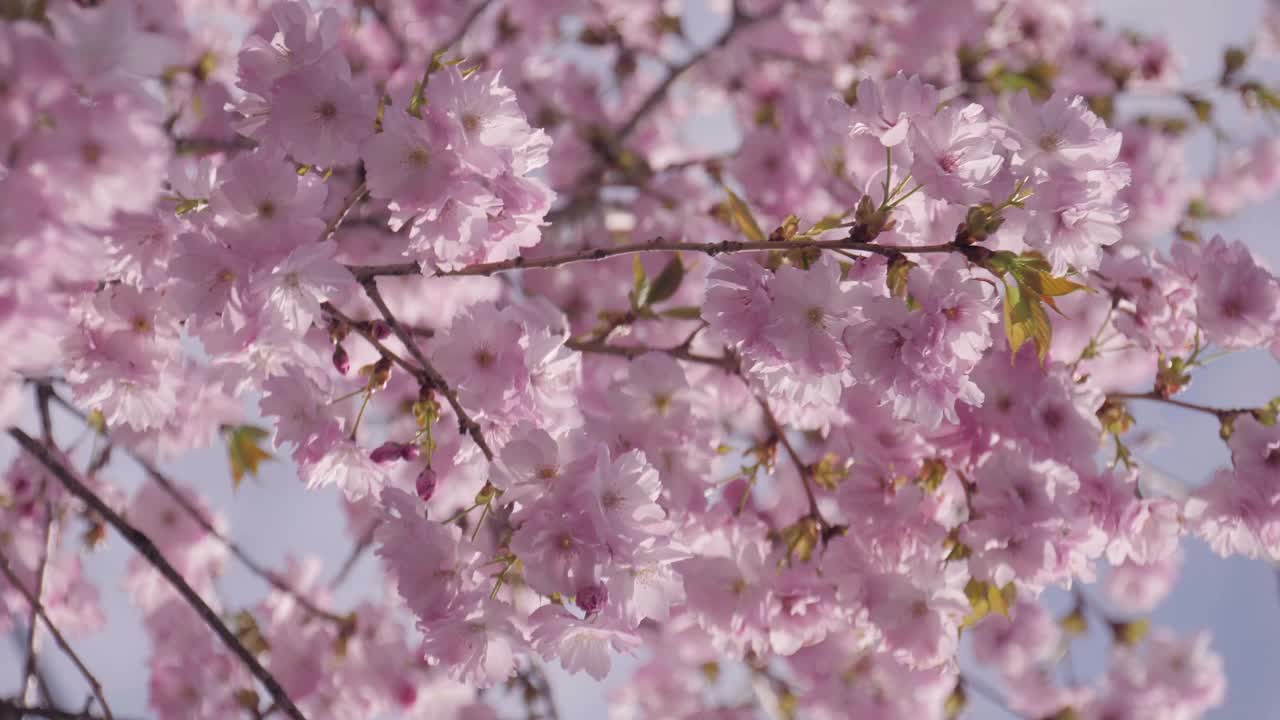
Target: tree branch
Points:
(727, 362)
(37, 609)
(776, 429)
(364, 273)
(171, 489)
(347, 204)
(12, 710)
(152, 554)
(1220, 413)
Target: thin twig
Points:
(152, 554)
(989, 693)
(30, 682)
(37, 609)
(367, 272)
(29, 677)
(776, 429)
(363, 544)
(727, 362)
(462, 30)
(466, 425)
(171, 489)
(347, 204)
(1220, 413)
(15, 710)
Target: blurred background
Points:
(1237, 600)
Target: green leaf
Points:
(743, 218)
(187, 205)
(1130, 633)
(1025, 320)
(899, 271)
(248, 633)
(244, 452)
(1000, 599)
(640, 284)
(683, 312)
(667, 282)
(830, 222)
(979, 600)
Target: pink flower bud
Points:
(410, 451)
(380, 329)
(426, 484)
(341, 360)
(387, 452)
(592, 598)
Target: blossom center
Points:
(484, 359)
(419, 157)
(327, 110)
(471, 122)
(91, 153)
(815, 316)
(949, 163)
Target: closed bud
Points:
(341, 360)
(410, 451)
(426, 483)
(387, 452)
(380, 329)
(592, 598)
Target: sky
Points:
(1238, 600)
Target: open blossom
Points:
(887, 110)
(954, 153)
(1237, 300)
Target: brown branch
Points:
(38, 609)
(13, 710)
(1220, 413)
(172, 490)
(461, 32)
(358, 550)
(348, 203)
(152, 554)
(30, 672)
(364, 273)
(805, 470)
(737, 23)
(728, 362)
(30, 680)
(432, 377)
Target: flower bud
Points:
(387, 452)
(341, 360)
(592, 598)
(426, 483)
(410, 451)
(380, 329)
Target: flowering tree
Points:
(791, 417)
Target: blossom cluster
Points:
(827, 409)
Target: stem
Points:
(365, 273)
(152, 554)
(38, 610)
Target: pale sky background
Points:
(1236, 599)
